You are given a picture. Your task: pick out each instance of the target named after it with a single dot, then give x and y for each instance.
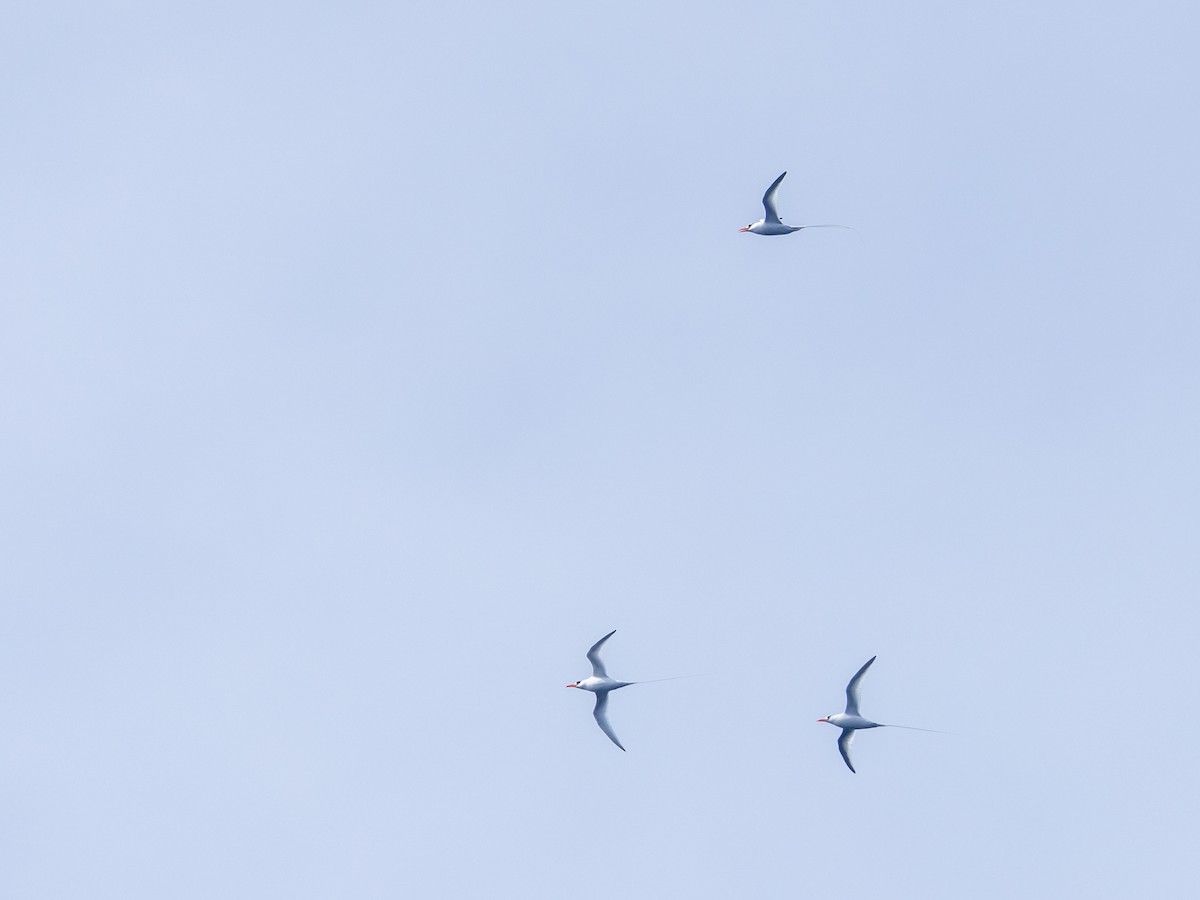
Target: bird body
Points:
(600, 685)
(856, 723)
(770, 228)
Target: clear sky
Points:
(362, 363)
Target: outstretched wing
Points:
(594, 657)
(852, 688)
(771, 217)
(844, 747)
(601, 714)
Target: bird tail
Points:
(914, 728)
(847, 227)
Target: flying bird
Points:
(770, 223)
(601, 685)
(850, 721)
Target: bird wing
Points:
(844, 747)
(601, 714)
(771, 217)
(594, 657)
(852, 688)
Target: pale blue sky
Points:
(361, 364)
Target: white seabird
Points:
(770, 223)
(850, 721)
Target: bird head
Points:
(826, 719)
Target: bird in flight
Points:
(850, 721)
(601, 685)
(770, 223)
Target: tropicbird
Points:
(770, 223)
